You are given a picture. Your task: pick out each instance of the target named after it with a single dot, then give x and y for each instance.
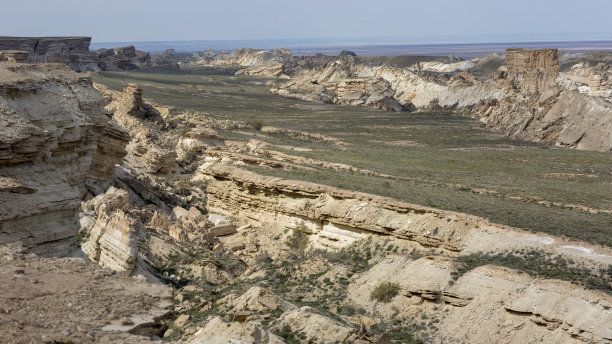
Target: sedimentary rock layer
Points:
(50, 121)
(528, 98)
(38, 47)
(489, 304)
(336, 217)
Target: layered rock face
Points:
(123, 58)
(489, 303)
(528, 98)
(13, 56)
(51, 120)
(535, 71)
(73, 52)
(38, 47)
(336, 218)
(111, 231)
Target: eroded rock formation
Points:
(528, 98)
(110, 231)
(73, 52)
(51, 120)
(534, 71)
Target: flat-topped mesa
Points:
(71, 51)
(51, 119)
(38, 47)
(534, 70)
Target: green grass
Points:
(385, 292)
(434, 159)
(541, 264)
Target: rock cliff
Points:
(489, 303)
(51, 120)
(528, 98)
(71, 51)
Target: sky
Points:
(436, 20)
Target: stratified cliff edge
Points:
(529, 97)
(50, 121)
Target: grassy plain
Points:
(440, 160)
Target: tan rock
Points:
(517, 307)
(197, 140)
(110, 149)
(50, 123)
(111, 242)
(235, 245)
(160, 222)
(259, 299)
(315, 325)
(535, 70)
(178, 233)
(180, 213)
(217, 331)
(222, 229)
(181, 320)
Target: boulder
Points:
(222, 229)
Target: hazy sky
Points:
(159, 20)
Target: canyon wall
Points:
(71, 51)
(50, 122)
(534, 70)
(336, 218)
(487, 304)
(38, 47)
(528, 98)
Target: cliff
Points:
(528, 98)
(487, 304)
(38, 47)
(71, 51)
(534, 70)
(51, 119)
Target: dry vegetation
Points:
(440, 160)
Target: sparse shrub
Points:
(257, 125)
(385, 292)
(266, 154)
(299, 239)
(351, 309)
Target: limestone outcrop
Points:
(335, 218)
(13, 56)
(528, 98)
(73, 52)
(50, 122)
(110, 231)
(534, 71)
(197, 140)
(39, 47)
(146, 149)
(270, 70)
(489, 303)
(110, 150)
(123, 58)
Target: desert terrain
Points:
(261, 197)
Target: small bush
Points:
(385, 291)
(257, 125)
(299, 239)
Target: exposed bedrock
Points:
(50, 122)
(527, 98)
(489, 304)
(38, 47)
(336, 218)
(71, 51)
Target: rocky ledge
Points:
(50, 121)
